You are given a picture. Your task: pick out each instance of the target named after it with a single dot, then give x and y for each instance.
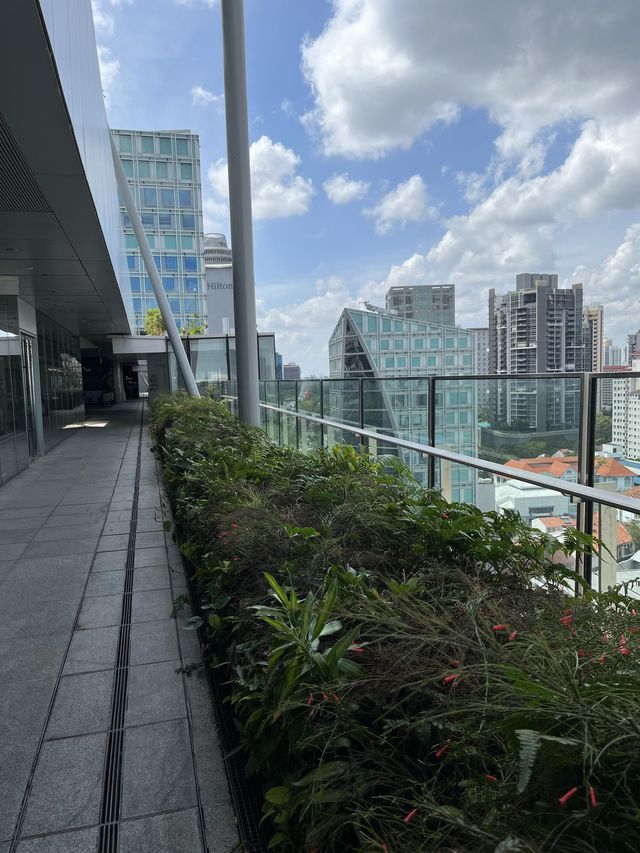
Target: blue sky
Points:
(404, 141)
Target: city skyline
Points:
(427, 177)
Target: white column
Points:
(244, 295)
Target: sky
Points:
(404, 142)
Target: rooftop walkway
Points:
(104, 745)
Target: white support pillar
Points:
(244, 294)
(154, 275)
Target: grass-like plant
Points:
(407, 674)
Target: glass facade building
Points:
(163, 168)
(395, 356)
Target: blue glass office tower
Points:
(163, 168)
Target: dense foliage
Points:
(408, 675)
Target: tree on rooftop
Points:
(153, 322)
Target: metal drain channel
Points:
(112, 772)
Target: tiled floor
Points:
(64, 535)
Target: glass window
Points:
(165, 145)
(463, 418)
(190, 306)
(449, 343)
(126, 220)
(186, 171)
(165, 220)
(415, 361)
(431, 361)
(171, 263)
(467, 360)
(388, 362)
(170, 242)
(449, 360)
(384, 343)
(190, 263)
(149, 197)
(191, 284)
(146, 144)
(186, 241)
(127, 165)
(135, 283)
(398, 343)
(168, 199)
(174, 304)
(434, 343)
(186, 198)
(156, 260)
(401, 361)
(418, 343)
(147, 285)
(144, 169)
(124, 142)
(137, 305)
(169, 282)
(372, 324)
(148, 219)
(386, 325)
(397, 325)
(132, 263)
(162, 171)
(151, 302)
(151, 240)
(188, 220)
(182, 147)
(130, 241)
(463, 343)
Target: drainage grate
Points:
(112, 773)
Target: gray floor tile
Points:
(157, 769)
(150, 539)
(154, 693)
(12, 552)
(80, 841)
(11, 537)
(150, 577)
(31, 658)
(146, 525)
(105, 583)
(101, 611)
(114, 528)
(153, 641)
(55, 532)
(67, 785)
(49, 617)
(151, 606)
(61, 547)
(150, 557)
(37, 567)
(110, 561)
(15, 766)
(82, 706)
(168, 833)
(119, 542)
(6, 567)
(23, 708)
(92, 650)
(18, 523)
(38, 514)
(121, 506)
(53, 587)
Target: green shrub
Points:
(407, 674)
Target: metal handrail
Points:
(574, 490)
(444, 377)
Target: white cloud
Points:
(102, 20)
(109, 70)
(406, 203)
(341, 190)
(203, 97)
(277, 190)
(380, 79)
(210, 3)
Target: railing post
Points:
(586, 453)
(296, 391)
(431, 431)
(322, 431)
(279, 415)
(364, 444)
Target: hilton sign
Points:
(220, 300)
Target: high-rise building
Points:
(626, 414)
(612, 355)
(278, 365)
(592, 323)
(219, 283)
(163, 168)
(380, 345)
(482, 349)
(426, 303)
(633, 346)
(291, 370)
(537, 328)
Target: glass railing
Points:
(575, 429)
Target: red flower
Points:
(566, 620)
(409, 817)
(564, 799)
(490, 778)
(325, 697)
(445, 515)
(454, 662)
(443, 748)
(605, 637)
(310, 699)
(581, 653)
(336, 697)
(234, 525)
(623, 640)
(499, 628)
(513, 635)
(450, 679)
(358, 649)
(592, 797)
(624, 651)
